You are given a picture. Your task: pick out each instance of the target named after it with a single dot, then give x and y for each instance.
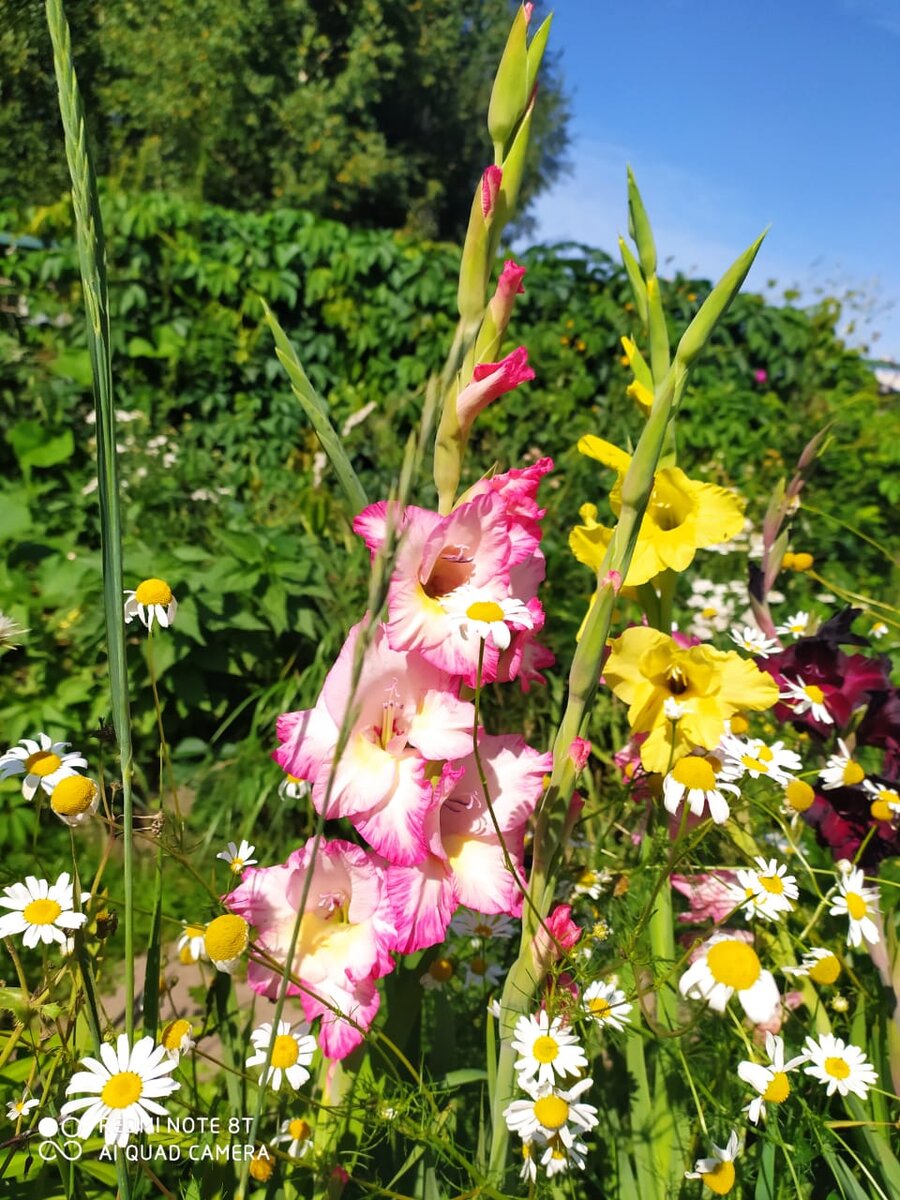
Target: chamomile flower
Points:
(481, 973)
(859, 903)
(551, 1112)
(529, 1166)
(296, 1134)
(225, 940)
(771, 1082)
(238, 857)
(725, 966)
(751, 756)
(123, 1088)
(841, 770)
(11, 631)
(547, 1050)
(885, 804)
(293, 1049)
(591, 883)
(292, 788)
(191, 946)
(475, 612)
(606, 1003)
(176, 1038)
(42, 761)
(695, 779)
(768, 890)
(558, 1157)
(439, 973)
(806, 698)
(718, 1172)
(75, 799)
(821, 965)
(21, 1107)
(673, 710)
(753, 641)
(842, 1068)
(798, 796)
(467, 923)
(878, 630)
(41, 911)
(151, 598)
(796, 626)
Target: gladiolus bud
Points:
(579, 752)
(490, 188)
(556, 936)
(509, 285)
(490, 380)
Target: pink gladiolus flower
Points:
(559, 936)
(490, 380)
(408, 715)
(509, 285)
(518, 488)
(466, 864)
(490, 188)
(346, 934)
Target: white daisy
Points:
(796, 626)
(718, 1172)
(41, 911)
(191, 947)
(821, 965)
(550, 1113)
(297, 1134)
(439, 973)
(725, 966)
(293, 1049)
(672, 710)
(771, 1082)
(753, 641)
(558, 1157)
(238, 857)
(481, 973)
(751, 756)
(75, 799)
(529, 1166)
(806, 698)
(877, 631)
(843, 1068)
(859, 903)
(467, 923)
(606, 1003)
(11, 631)
(176, 1038)
(42, 761)
(292, 788)
(123, 1089)
(225, 940)
(22, 1107)
(591, 883)
(151, 598)
(695, 778)
(841, 770)
(547, 1049)
(885, 804)
(475, 612)
(768, 890)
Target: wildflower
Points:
(261, 1168)
(755, 758)
(43, 762)
(718, 1172)
(191, 945)
(123, 1090)
(606, 1003)
(694, 779)
(797, 562)
(293, 1049)
(876, 631)
(821, 965)
(841, 770)
(559, 1157)
(547, 1050)
(795, 626)
(771, 1082)
(591, 883)
(10, 632)
(726, 965)
(716, 606)
(753, 641)
(529, 1167)
(798, 796)
(41, 911)
(440, 971)
(484, 614)
(482, 974)
(225, 940)
(297, 1134)
(806, 697)
(238, 857)
(886, 803)
(767, 891)
(176, 1038)
(75, 799)
(552, 1113)
(843, 1068)
(292, 788)
(22, 1107)
(482, 925)
(859, 904)
(151, 598)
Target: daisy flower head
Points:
(481, 973)
(467, 923)
(841, 770)
(41, 911)
(296, 1135)
(876, 631)
(558, 1157)
(292, 788)
(225, 940)
(768, 890)
(591, 883)
(176, 1038)
(261, 1168)
(293, 1049)
(885, 804)
(798, 797)
(11, 631)
(751, 756)
(151, 599)
(606, 1003)
(529, 1166)
(238, 857)
(753, 641)
(123, 1089)
(806, 698)
(796, 626)
(439, 973)
(726, 966)
(547, 1050)
(821, 965)
(21, 1107)
(43, 763)
(75, 799)
(694, 779)
(860, 904)
(475, 612)
(191, 946)
(552, 1112)
(718, 1172)
(770, 1082)
(842, 1068)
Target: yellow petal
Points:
(604, 452)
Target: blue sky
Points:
(736, 114)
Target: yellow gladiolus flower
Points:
(682, 517)
(646, 668)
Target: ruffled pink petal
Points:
(337, 1037)
(480, 873)
(490, 380)
(514, 772)
(395, 825)
(423, 899)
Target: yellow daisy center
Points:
(778, 1088)
(856, 906)
(551, 1111)
(41, 912)
(799, 795)
(153, 591)
(261, 1168)
(226, 937)
(720, 1179)
(174, 1033)
(441, 970)
(837, 1068)
(484, 610)
(733, 964)
(853, 773)
(73, 796)
(285, 1051)
(545, 1049)
(814, 693)
(237, 865)
(772, 884)
(299, 1129)
(598, 1007)
(881, 811)
(478, 966)
(122, 1089)
(694, 772)
(483, 931)
(708, 613)
(43, 763)
(826, 970)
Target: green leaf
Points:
(34, 448)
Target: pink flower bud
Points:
(529, 9)
(490, 186)
(490, 380)
(579, 752)
(761, 375)
(509, 285)
(612, 579)
(557, 935)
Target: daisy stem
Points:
(690, 1080)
